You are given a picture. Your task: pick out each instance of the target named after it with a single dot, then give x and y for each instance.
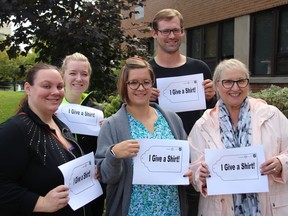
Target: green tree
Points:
(13, 70)
(54, 29)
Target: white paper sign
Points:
(80, 119)
(236, 170)
(161, 162)
(79, 177)
(183, 93)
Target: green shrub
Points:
(111, 106)
(276, 96)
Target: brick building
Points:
(253, 31)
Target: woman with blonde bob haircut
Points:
(118, 145)
(239, 121)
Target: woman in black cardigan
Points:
(33, 144)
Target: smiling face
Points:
(76, 78)
(233, 97)
(171, 42)
(46, 93)
(140, 96)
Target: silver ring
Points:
(275, 170)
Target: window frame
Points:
(275, 54)
(211, 61)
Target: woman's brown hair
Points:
(131, 63)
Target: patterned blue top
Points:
(153, 200)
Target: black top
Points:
(30, 154)
(192, 66)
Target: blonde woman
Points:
(77, 72)
(239, 121)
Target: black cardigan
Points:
(29, 159)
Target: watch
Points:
(112, 152)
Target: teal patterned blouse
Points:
(153, 200)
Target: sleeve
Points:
(197, 147)
(206, 71)
(181, 131)
(282, 122)
(14, 158)
(110, 167)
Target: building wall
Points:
(199, 12)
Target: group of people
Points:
(32, 184)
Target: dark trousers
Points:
(97, 205)
(193, 200)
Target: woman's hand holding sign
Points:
(126, 149)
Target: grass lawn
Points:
(9, 102)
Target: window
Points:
(282, 54)
(263, 30)
(211, 43)
(227, 40)
(269, 29)
(196, 43)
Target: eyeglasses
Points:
(134, 84)
(241, 83)
(167, 32)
